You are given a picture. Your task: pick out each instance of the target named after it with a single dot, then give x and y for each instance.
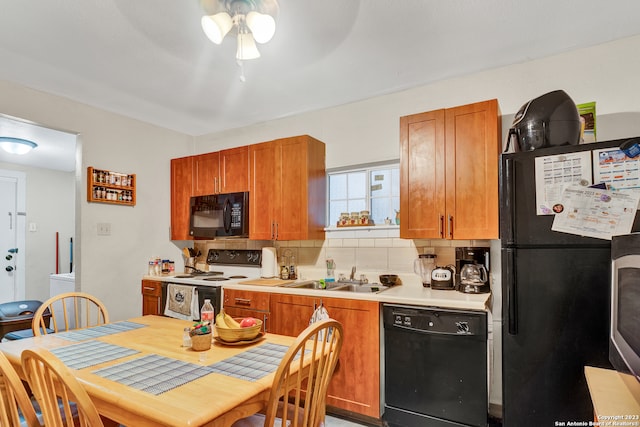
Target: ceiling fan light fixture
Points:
(252, 21)
(16, 145)
(216, 26)
(246, 47)
(262, 26)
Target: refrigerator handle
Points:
(511, 291)
(509, 201)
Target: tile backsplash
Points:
(379, 254)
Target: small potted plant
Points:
(201, 336)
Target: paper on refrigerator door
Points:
(594, 212)
(555, 173)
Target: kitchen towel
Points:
(182, 302)
(269, 263)
(319, 315)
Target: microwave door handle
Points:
(226, 216)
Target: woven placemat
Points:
(99, 331)
(153, 374)
(90, 353)
(253, 364)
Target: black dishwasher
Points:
(435, 367)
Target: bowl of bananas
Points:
(239, 329)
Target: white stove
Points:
(224, 265)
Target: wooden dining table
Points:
(169, 385)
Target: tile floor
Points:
(339, 422)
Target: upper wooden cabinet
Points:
(225, 171)
(206, 168)
(181, 187)
(287, 189)
(449, 173)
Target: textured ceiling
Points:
(150, 60)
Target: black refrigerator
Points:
(555, 302)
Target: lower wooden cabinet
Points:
(151, 297)
(239, 303)
(355, 385)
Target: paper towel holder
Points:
(269, 263)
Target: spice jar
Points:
(284, 269)
(293, 268)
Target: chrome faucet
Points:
(353, 274)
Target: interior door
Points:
(12, 279)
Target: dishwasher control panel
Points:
(435, 320)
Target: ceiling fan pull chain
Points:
(241, 65)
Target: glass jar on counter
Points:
(284, 268)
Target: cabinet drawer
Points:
(151, 287)
(246, 299)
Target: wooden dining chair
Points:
(16, 408)
(298, 394)
(63, 400)
(71, 310)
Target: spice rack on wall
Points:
(105, 186)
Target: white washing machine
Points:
(60, 284)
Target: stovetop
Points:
(226, 265)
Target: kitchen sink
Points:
(357, 287)
(314, 284)
(341, 286)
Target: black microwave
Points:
(219, 215)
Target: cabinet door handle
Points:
(243, 301)
(451, 226)
(215, 185)
(264, 322)
(147, 288)
(10, 221)
(441, 227)
(276, 235)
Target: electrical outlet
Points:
(33, 226)
(104, 229)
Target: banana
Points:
(220, 321)
(230, 321)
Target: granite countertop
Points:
(411, 292)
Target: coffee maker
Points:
(471, 255)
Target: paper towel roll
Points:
(269, 263)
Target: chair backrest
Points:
(304, 391)
(71, 310)
(13, 396)
(61, 397)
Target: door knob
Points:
(9, 268)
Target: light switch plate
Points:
(104, 229)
